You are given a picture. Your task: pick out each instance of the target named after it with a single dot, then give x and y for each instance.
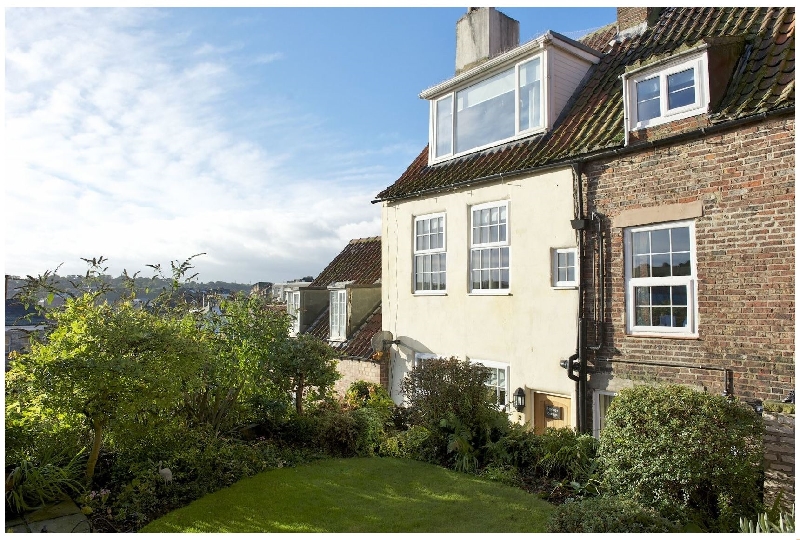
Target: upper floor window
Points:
(493, 110)
(338, 314)
(430, 255)
(661, 283)
(293, 309)
(565, 267)
(490, 251)
(668, 92)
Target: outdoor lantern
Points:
(519, 399)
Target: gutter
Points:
(602, 154)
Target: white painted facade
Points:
(530, 327)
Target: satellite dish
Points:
(380, 339)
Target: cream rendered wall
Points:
(532, 328)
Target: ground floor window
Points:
(602, 400)
(498, 381)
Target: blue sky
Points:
(256, 135)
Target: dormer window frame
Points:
(337, 318)
(450, 101)
(663, 71)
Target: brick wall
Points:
(745, 256)
(745, 245)
(353, 370)
(779, 457)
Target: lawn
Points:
(376, 495)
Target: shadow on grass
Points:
(361, 495)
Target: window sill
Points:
(489, 293)
(429, 293)
(564, 287)
(663, 335)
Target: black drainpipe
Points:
(579, 224)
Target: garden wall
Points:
(779, 457)
(353, 370)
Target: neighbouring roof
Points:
(763, 81)
(359, 263)
(18, 314)
(359, 345)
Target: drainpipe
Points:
(579, 224)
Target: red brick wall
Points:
(745, 256)
(779, 456)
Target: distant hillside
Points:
(146, 288)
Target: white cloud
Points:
(117, 143)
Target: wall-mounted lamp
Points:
(519, 399)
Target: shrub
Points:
(32, 485)
(369, 430)
(411, 444)
(607, 514)
(449, 397)
(694, 457)
(367, 394)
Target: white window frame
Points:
(597, 419)
(698, 62)
(489, 245)
(428, 252)
(564, 284)
(690, 281)
(491, 364)
(293, 309)
(337, 318)
(419, 358)
(518, 134)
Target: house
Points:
(343, 307)
(594, 214)
(21, 322)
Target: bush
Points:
(369, 430)
(32, 485)
(366, 394)
(694, 457)
(411, 444)
(450, 398)
(607, 514)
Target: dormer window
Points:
(668, 91)
(293, 309)
(504, 106)
(338, 315)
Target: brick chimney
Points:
(632, 17)
(481, 34)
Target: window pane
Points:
(502, 233)
(484, 279)
(444, 126)
(493, 233)
(426, 282)
(485, 112)
(562, 274)
(641, 243)
(642, 296)
(495, 279)
(504, 281)
(643, 316)
(679, 296)
(443, 262)
(679, 316)
(681, 264)
(484, 235)
(662, 316)
(495, 258)
(476, 279)
(434, 263)
(426, 264)
(504, 257)
(485, 216)
(647, 99)
(660, 296)
(641, 266)
(680, 239)
(680, 89)
(660, 241)
(530, 85)
(661, 265)
(426, 242)
(571, 273)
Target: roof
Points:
(359, 345)
(359, 263)
(763, 81)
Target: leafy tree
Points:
(112, 363)
(306, 363)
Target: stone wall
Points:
(353, 370)
(779, 457)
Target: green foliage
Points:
(374, 396)
(32, 485)
(607, 514)
(410, 444)
(307, 365)
(694, 457)
(782, 523)
(450, 398)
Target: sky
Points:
(257, 136)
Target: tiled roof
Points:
(360, 343)
(762, 82)
(359, 262)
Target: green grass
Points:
(376, 495)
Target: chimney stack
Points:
(482, 34)
(632, 17)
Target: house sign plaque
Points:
(551, 412)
